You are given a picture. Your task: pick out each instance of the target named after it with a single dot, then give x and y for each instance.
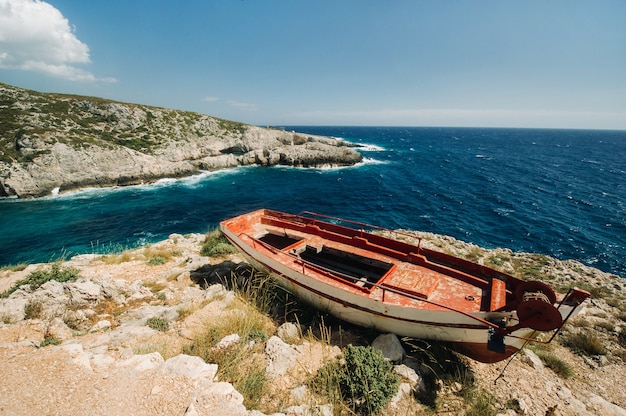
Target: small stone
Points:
(390, 346)
(288, 332)
(532, 359)
(227, 341)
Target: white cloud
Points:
(211, 99)
(34, 36)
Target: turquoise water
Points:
(555, 192)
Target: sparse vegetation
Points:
(478, 402)
(239, 363)
(556, 364)
(39, 277)
(156, 260)
(232, 126)
(90, 120)
(33, 310)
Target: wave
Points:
(366, 147)
(330, 167)
(91, 191)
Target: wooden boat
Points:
(375, 281)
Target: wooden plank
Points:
(498, 294)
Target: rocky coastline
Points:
(91, 346)
(57, 143)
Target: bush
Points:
(48, 340)
(158, 323)
(216, 245)
(365, 382)
(39, 277)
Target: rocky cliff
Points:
(53, 142)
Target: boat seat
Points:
(498, 294)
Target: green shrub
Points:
(48, 340)
(216, 245)
(39, 277)
(326, 382)
(158, 323)
(365, 382)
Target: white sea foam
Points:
(329, 167)
(369, 147)
(191, 181)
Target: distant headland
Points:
(56, 143)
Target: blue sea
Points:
(557, 192)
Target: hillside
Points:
(162, 330)
(55, 143)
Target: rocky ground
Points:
(91, 347)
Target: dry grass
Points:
(584, 342)
(152, 255)
(14, 268)
(241, 363)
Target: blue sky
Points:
(498, 63)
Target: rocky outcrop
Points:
(91, 346)
(55, 143)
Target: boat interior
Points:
(360, 270)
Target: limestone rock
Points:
(83, 292)
(190, 366)
(227, 341)
(59, 330)
(530, 358)
(142, 363)
(390, 346)
(306, 410)
(415, 380)
(281, 357)
(12, 309)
